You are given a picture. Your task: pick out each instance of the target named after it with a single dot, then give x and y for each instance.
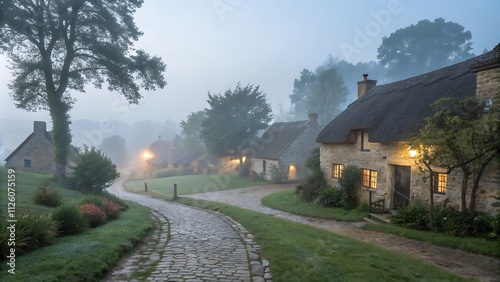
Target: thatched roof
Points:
(277, 138)
(392, 112)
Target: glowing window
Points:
(337, 170)
(440, 182)
(369, 178)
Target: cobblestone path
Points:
(190, 244)
(466, 264)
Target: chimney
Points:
(39, 128)
(159, 137)
(313, 120)
(365, 85)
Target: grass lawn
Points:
(83, 257)
(26, 186)
(473, 245)
(288, 202)
(190, 184)
(298, 252)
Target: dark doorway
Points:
(401, 186)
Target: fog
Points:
(212, 45)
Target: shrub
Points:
(415, 216)
(46, 198)
(350, 182)
(495, 227)
(112, 209)
(113, 198)
(278, 174)
(93, 172)
(69, 220)
(308, 191)
(315, 182)
(32, 231)
(95, 215)
(333, 197)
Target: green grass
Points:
(26, 186)
(473, 245)
(190, 184)
(83, 257)
(298, 252)
(288, 202)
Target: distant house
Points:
(35, 153)
(166, 152)
(285, 145)
(373, 133)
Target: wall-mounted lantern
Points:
(412, 151)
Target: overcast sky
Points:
(210, 45)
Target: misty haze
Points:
(335, 140)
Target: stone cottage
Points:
(373, 133)
(35, 153)
(286, 145)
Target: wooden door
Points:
(401, 186)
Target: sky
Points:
(211, 45)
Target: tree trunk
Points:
(61, 137)
(475, 183)
(463, 193)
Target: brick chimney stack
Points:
(365, 85)
(39, 128)
(313, 120)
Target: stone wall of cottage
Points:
(488, 83)
(298, 152)
(39, 150)
(257, 167)
(384, 157)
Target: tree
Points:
(115, 148)
(464, 135)
(191, 131)
(233, 120)
(57, 46)
(327, 95)
(301, 92)
(321, 92)
(424, 47)
(94, 172)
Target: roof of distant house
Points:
(277, 138)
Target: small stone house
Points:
(286, 145)
(35, 153)
(373, 133)
(163, 153)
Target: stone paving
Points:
(466, 264)
(190, 244)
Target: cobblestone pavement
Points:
(466, 264)
(190, 244)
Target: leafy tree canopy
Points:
(424, 47)
(56, 46)
(191, 131)
(322, 92)
(464, 135)
(233, 120)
